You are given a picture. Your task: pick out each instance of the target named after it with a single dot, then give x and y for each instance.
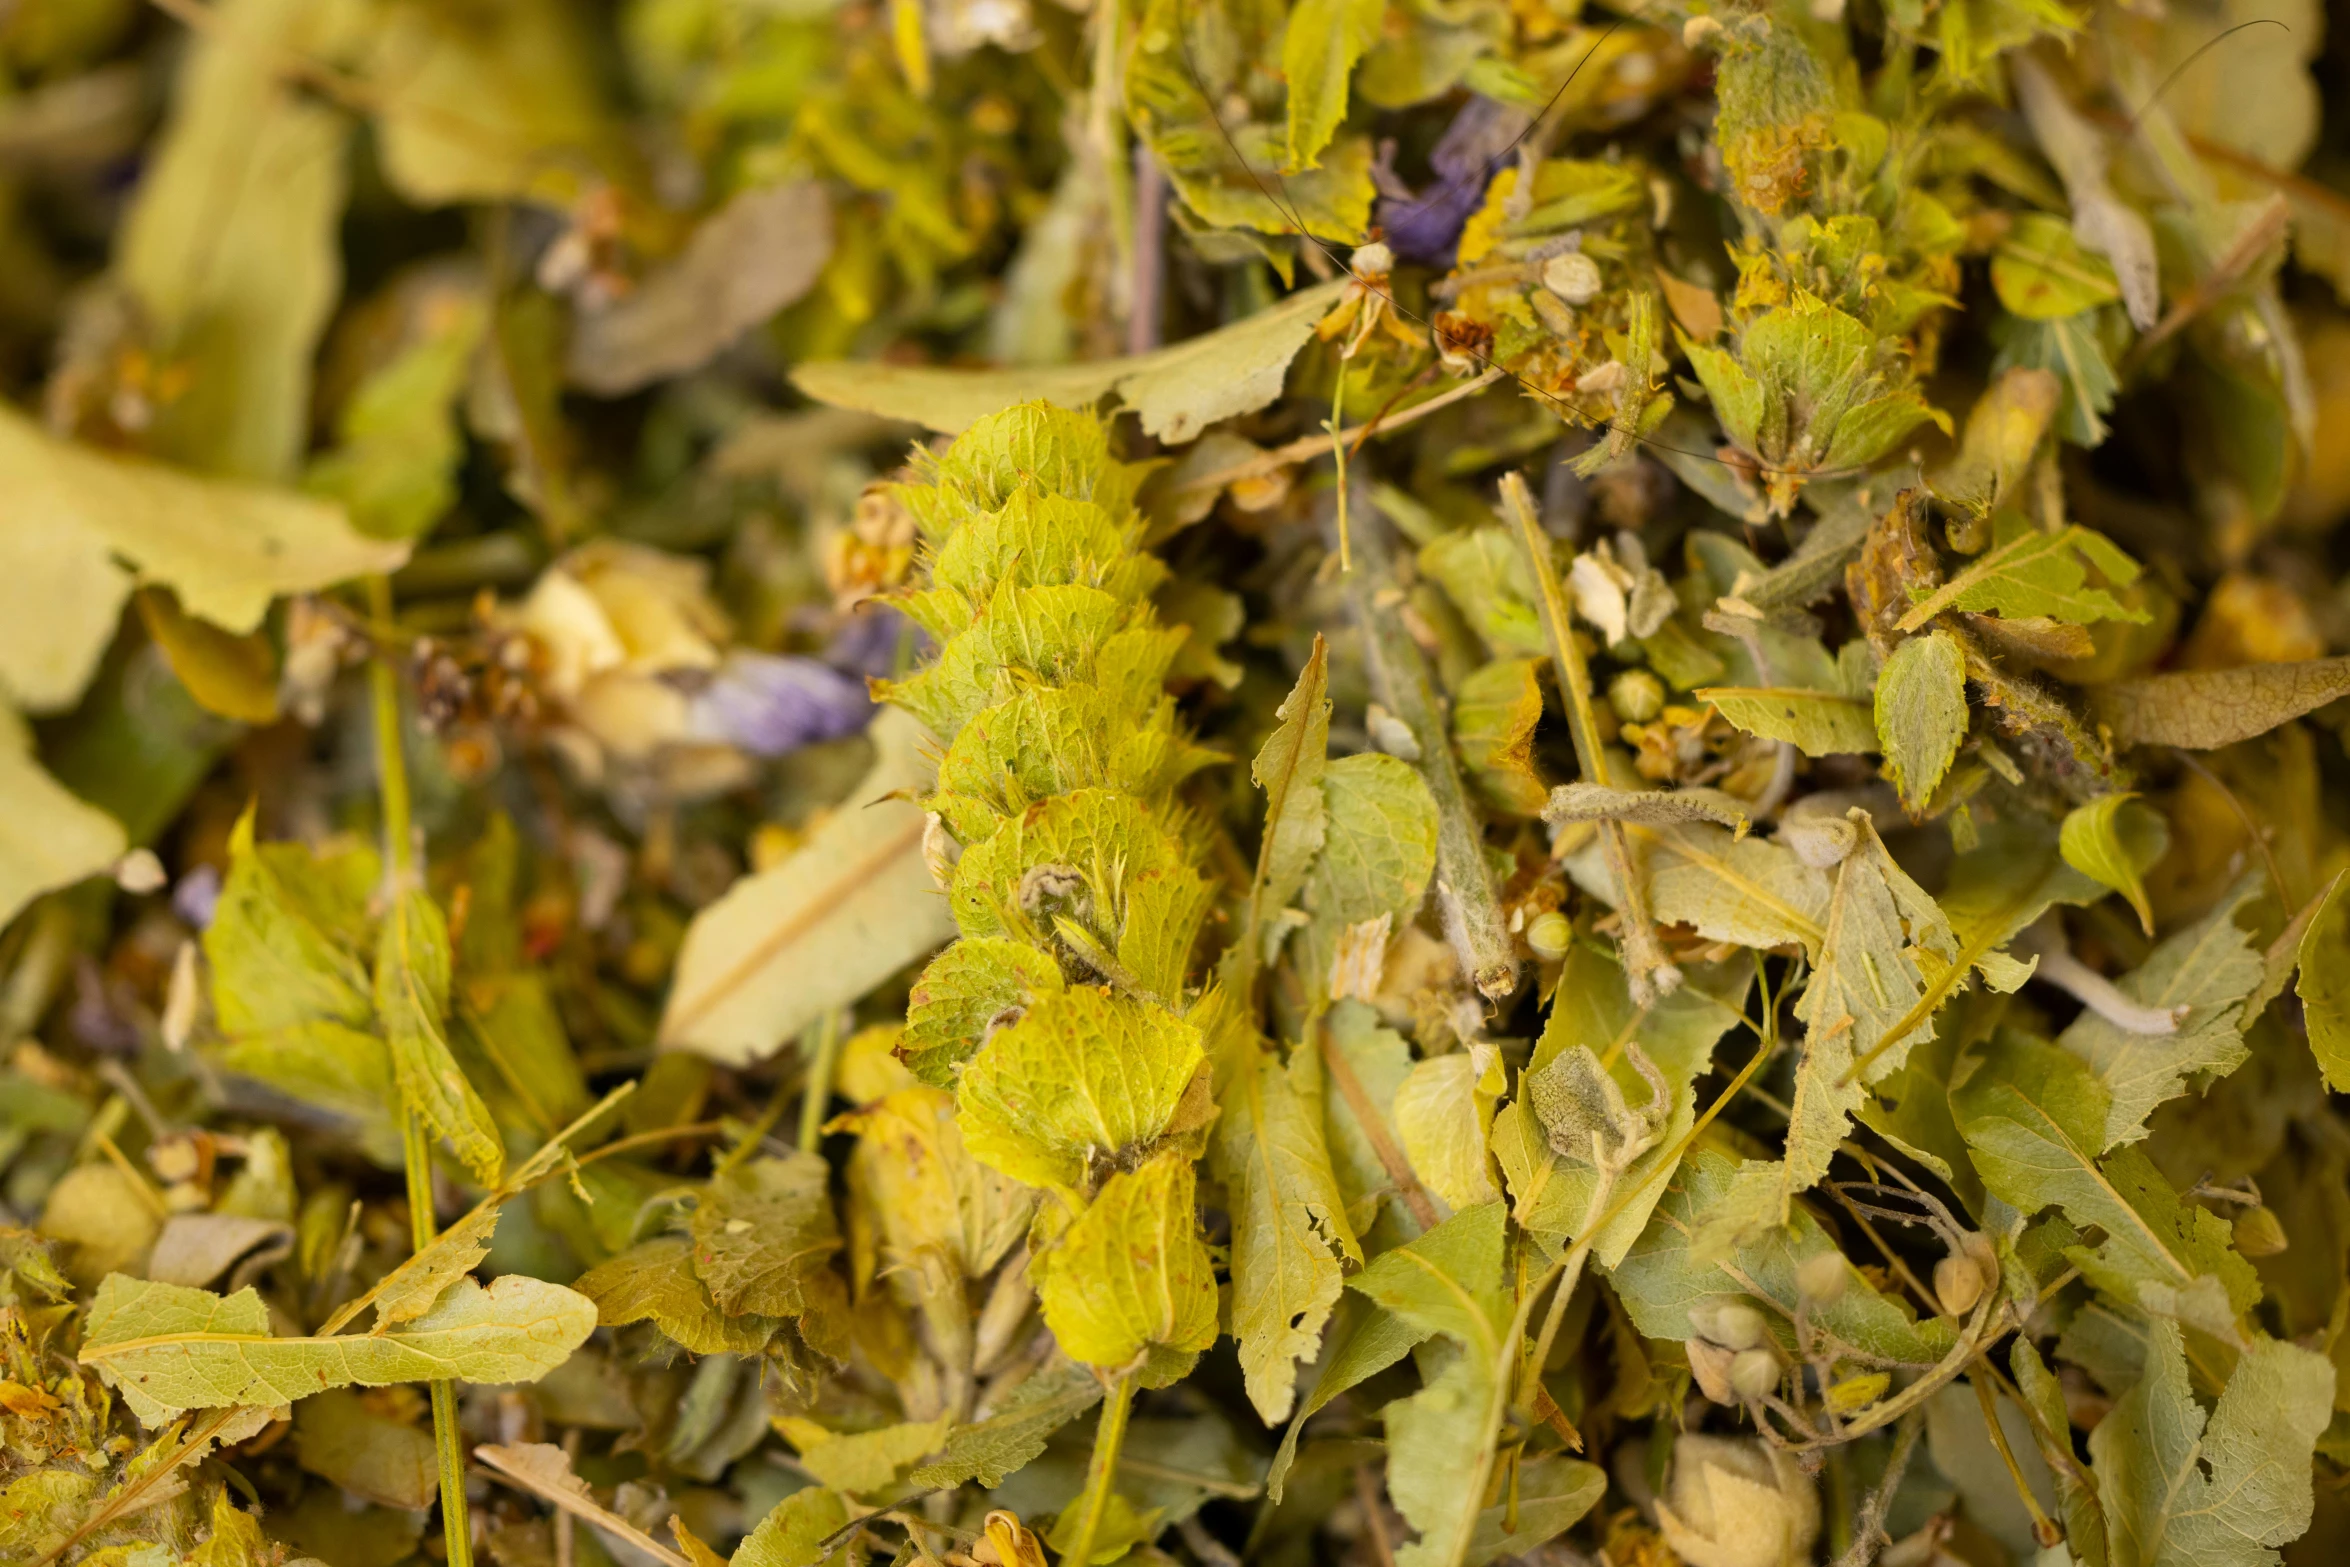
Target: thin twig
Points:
(1868, 1535)
(1150, 251)
(1391, 1158)
(1310, 446)
(1650, 972)
(501, 1462)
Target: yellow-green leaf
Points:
(1130, 1275)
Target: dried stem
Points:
(1401, 681)
(1650, 972)
(1868, 1534)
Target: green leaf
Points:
(1288, 1220)
(934, 1201)
(1130, 1278)
(964, 989)
(852, 906)
(1318, 52)
(1012, 1437)
(1289, 768)
(1662, 1279)
(794, 1531)
(763, 1230)
(394, 466)
(2182, 1489)
(170, 1347)
(761, 251)
(2079, 351)
(2324, 987)
(1084, 1079)
(1378, 1059)
(2095, 841)
(231, 247)
(2036, 573)
(1755, 892)
(2204, 709)
(862, 1462)
(1817, 723)
(340, 1438)
(2035, 1117)
(2208, 970)
(412, 1002)
(1379, 841)
(87, 527)
(1448, 1281)
(1551, 1495)
(1444, 1118)
(1592, 1011)
(51, 839)
(488, 107)
(2042, 273)
(1178, 390)
(655, 1281)
(1922, 713)
(1484, 572)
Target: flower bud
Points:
(1733, 1323)
(1573, 276)
(1822, 1278)
(2258, 1234)
(1754, 1372)
(1732, 1503)
(1550, 935)
(1636, 695)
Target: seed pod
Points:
(2258, 1234)
(1709, 1364)
(1822, 1278)
(1754, 1372)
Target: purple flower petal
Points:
(768, 704)
(196, 895)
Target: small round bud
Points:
(2258, 1234)
(140, 872)
(1637, 696)
(1753, 1373)
(1373, 260)
(1698, 29)
(1573, 276)
(1709, 1366)
(1550, 935)
(1821, 1278)
(1734, 1323)
(1958, 1284)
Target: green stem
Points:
(400, 857)
(1108, 1437)
(816, 1092)
(1571, 1274)
(1645, 964)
